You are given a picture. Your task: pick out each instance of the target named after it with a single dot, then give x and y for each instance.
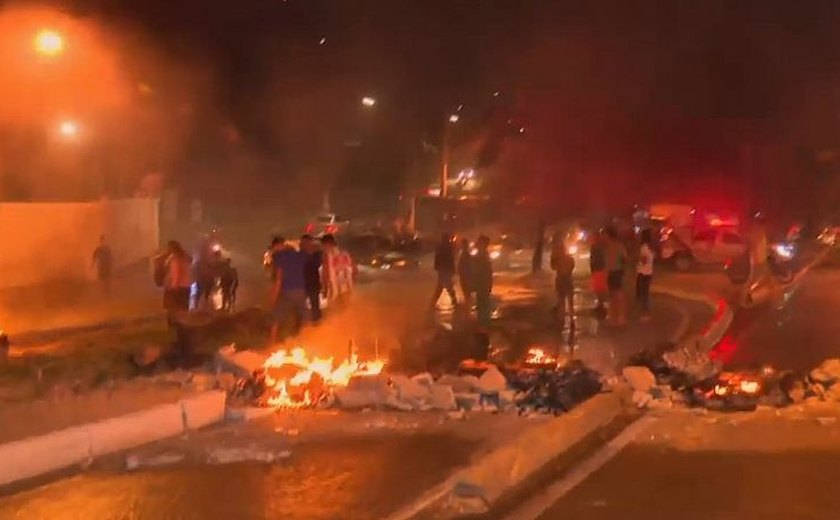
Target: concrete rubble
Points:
(246, 454)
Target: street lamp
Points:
(368, 101)
(68, 129)
(48, 43)
(444, 172)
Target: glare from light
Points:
(453, 118)
(49, 43)
(497, 94)
(322, 41)
(68, 129)
(521, 129)
(369, 101)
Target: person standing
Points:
(644, 274)
(312, 275)
(445, 267)
(103, 262)
(465, 272)
(288, 292)
(338, 271)
(482, 281)
(176, 281)
(598, 273)
(563, 264)
(615, 263)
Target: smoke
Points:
(94, 113)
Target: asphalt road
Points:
(350, 479)
(770, 464)
(797, 330)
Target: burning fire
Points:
(298, 380)
(538, 356)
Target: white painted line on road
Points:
(539, 504)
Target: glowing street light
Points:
(453, 118)
(68, 129)
(369, 101)
(48, 43)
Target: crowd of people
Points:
(609, 263)
(474, 271)
(301, 279)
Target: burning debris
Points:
(293, 379)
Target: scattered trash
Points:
(134, 462)
(641, 379)
(250, 453)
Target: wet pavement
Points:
(764, 465)
(351, 479)
(797, 330)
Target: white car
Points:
(715, 245)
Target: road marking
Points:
(539, 504)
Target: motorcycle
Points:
(779, 263)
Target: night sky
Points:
(649, 96)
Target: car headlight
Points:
(495, 254)
(784, 250)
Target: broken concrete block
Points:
(442, 398)
(641, 399)
(241, 364)
(492, 380)
(363, 392)
(410, 390)
(204, 409)
(641, 379)
(460, 384)
(467, 401)
(424, 379)
(827, 373)
(128, 431)
(203, 381)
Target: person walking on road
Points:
(445, 267)
(176, 280)
(338, 272)
(465, 272)
(482, 281)
(288, 292)
(615, 255)
(563, 265)
(312, 275)
(103, 262)
(644, 274)
(598, 273)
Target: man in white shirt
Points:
(644, 274)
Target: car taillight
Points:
(309, 228)
(331, 228)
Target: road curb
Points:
(42, 454)
(715, 329)
(509, 465)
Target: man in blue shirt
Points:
(288, 295)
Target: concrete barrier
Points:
(204, 409)
(131, 430)
(510, 464)
(35, 456)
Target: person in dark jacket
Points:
(465, 271)
(445, 267)
(482, 281)
(312, 275)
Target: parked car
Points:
(713, 245)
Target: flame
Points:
(537, 356)
(299, 380)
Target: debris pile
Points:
(295, 380)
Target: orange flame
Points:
(537, 356)
(298, 379)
